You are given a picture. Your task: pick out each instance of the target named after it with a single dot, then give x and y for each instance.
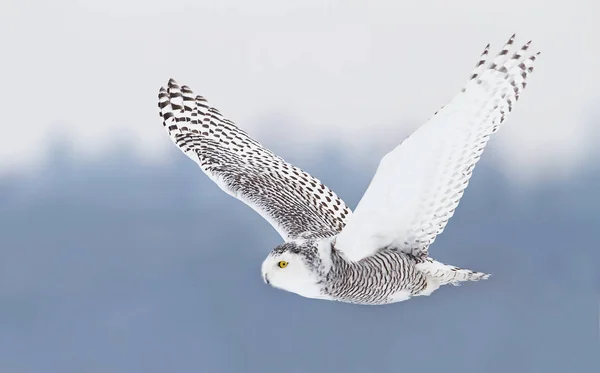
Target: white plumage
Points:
(379, 253)
(419, 184)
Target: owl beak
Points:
(266, 279)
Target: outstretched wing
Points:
(295, 203)
(418, 185)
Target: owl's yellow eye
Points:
(282, 264)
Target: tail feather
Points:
(447, 274)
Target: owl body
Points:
(316, 269)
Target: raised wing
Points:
(296, 204)
(418, 185)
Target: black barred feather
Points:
(294, 202)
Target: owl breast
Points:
(388, 276)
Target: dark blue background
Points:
(115, 266)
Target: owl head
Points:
(297, 267)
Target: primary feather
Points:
(419, 184)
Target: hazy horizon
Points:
(357, 74)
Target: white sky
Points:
(306, 72)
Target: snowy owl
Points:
(377, 254)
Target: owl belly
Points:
(387, 277)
